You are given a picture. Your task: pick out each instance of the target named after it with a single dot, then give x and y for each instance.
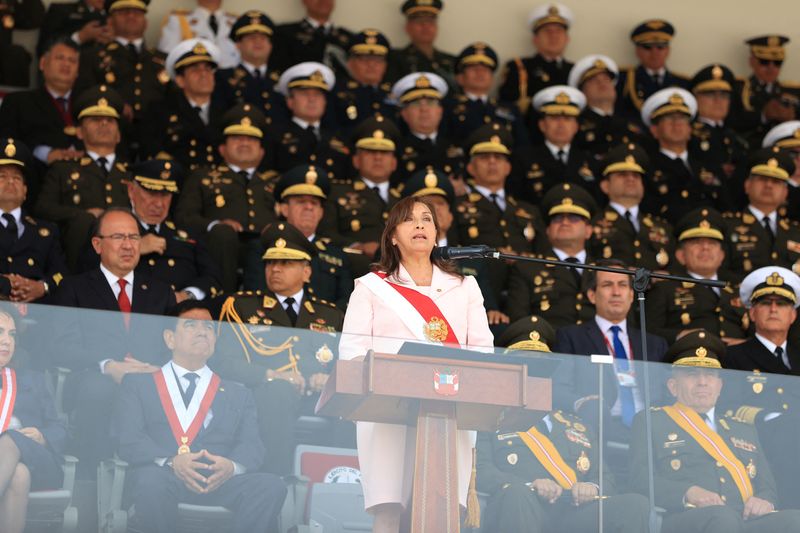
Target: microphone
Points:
(462, 252)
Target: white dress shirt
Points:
(298, 297)
(17, 214)
(605, 328)
(487, 193)
(383, 188)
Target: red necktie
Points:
(124, 302)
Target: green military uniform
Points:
(711, 450)
(243, 195)
(674, 306)
(72, 187)
(256, 347)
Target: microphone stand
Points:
(641, 280)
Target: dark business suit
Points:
(32, 117)
(578, 376)
(35, 407)
(83, 338)
(144, 435)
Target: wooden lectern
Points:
(438, 396)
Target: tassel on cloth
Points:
(473, 506)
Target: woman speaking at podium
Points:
(410, 296)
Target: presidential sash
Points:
(418, 312)
(713, 444)
(8, 396)
(186, 425)
(547, 454)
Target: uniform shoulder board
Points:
(275, 75)
(121, 166)
(511, 200)
(267, 175)
(169, 224)
(352, 85)
(729, 214)
(85, 161)
(113, 45)
(326, 302)
(321, 245)
(221, 168)
(474, 197)
(386, 86)
(790, 84)
(30, 220)
(395, 192)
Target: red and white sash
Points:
(418, 312)
(8, 396)
(185, 422)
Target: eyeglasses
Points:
(766, 62)
(120, 237)
(657, 46)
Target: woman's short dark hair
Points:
(390, 254)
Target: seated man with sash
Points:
(192, 437)
(546, 477)
(711, 474)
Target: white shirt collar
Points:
(56, 95)
(298, 297)
(698, 276)
(110, 158)
(303, 124)
(236, 169)
(769, 345)
(554, 149)
(315, 24)
(136, 42)
(249, 67)
(17, 214)
(112, 278)
(422, 136)
(599, 111)
(205, 373)
(501, 193)
(605, 327)
(619, 208)
(672, 155)
(473, 97)
(562, 256)
(760, 215)
(653, 73)
(442, 242)
(201, 11)
(383, 188)
(712, 123)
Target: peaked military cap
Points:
(767, 281)
(712, 78)
(412, 8)
(559, 100)
(114, 5)
(14, 152)
(567, 198)
(553, 13)
(284, 242)
(490, 139)
(772, 163)
(653, 31)
(99, 101)
(668, 101)
(589, 67)
(427, 182)
(191, 52)
(784, 135)
(418, 85)
(531, 333)
(303, 180)
(306, 75)
(627, 157)
(478, 53)
(369, 42)
(700, 348)
(770, 47)
(157, 175)
(252, 22)
(376, 133)
(700, 223)
(244, 119)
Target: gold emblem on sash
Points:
(583, 464)
(435, 330)
(184, 447)
(751, 469)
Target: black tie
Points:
(289, 302)
(314, 136)
(257, 74)
(62, 104)
(11, 226)
(377, 191)
(199, 111)
(707, 420)
(245, 175)
(629, 218)
(132, 51)
(778, 354)
(574, 270)
(189, 392)
(768, 229)
(150, 228)
(102, 162)
(495, 200)
(212, 23)
(562, 157)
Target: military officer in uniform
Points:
(14, 59)
(207, 21)
(233, 202)
(186, 125)
(712, 86)
(472, 107)
(35, 264)
(308, 137)
(251, 80)
(125, 64)
(557, 293)
(710, 471)
(764, 99)
(623, 230)
(420, 96)
(420, 55)
(363, 92)
(761, 235)
(675, 308)
(315, 38)
(85, 22)
(532, 490)
(525, 76)
(557, 160)
(486, 213)
(356, 210)
(75, 192)
(295, 368)
(600, 129)
(786, 137)
(652, 40)
(301, 193)
(681, 180)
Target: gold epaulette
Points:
(747, 414)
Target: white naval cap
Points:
(589, 66)
(190, 52)
(552, 13)
(784, 135)
(770, 280)
(559, 100)
(666, 101)
(419, 85)
(306, 75)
